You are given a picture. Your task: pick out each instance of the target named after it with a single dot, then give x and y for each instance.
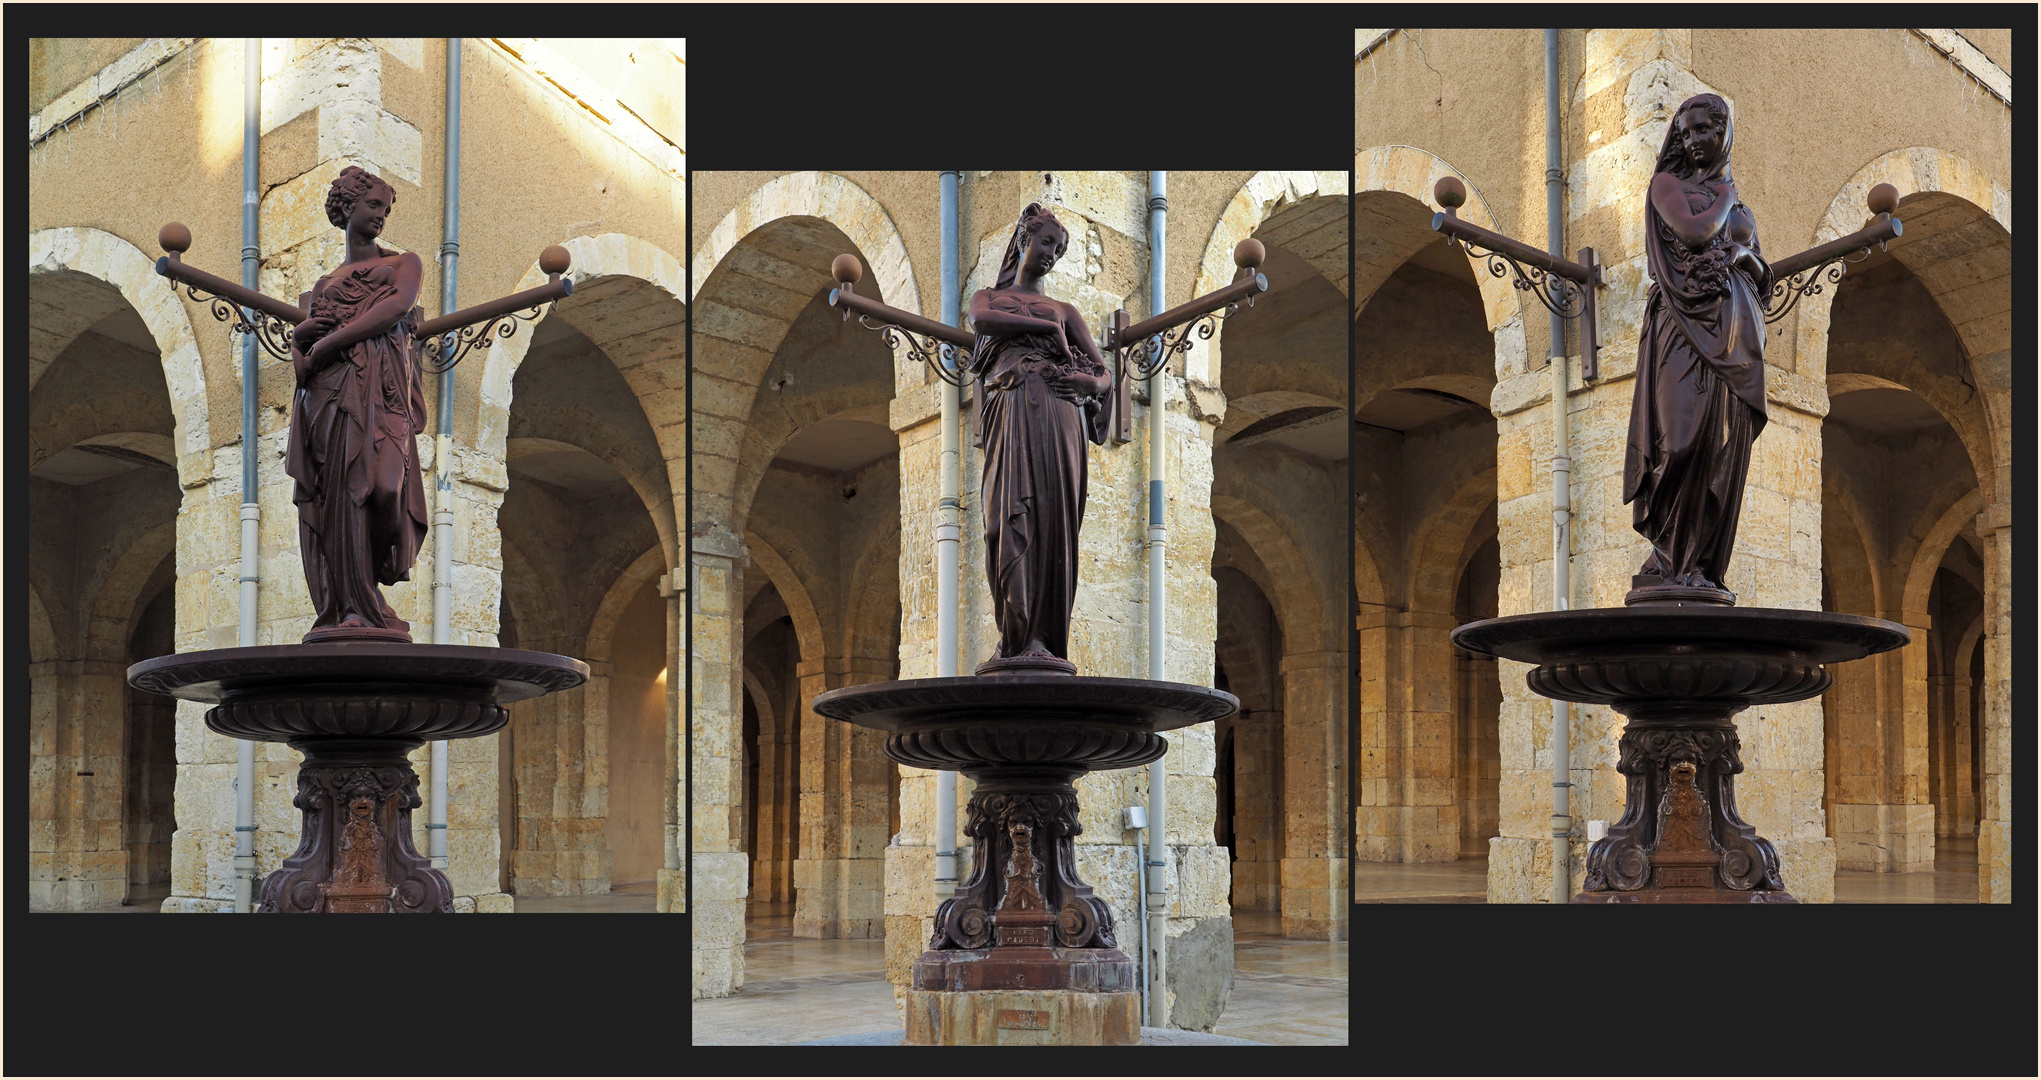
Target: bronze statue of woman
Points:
(1700, 395)
(1043, 393)
(352, 451)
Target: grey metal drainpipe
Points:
(948, 533)
(1562, 473)
(442, 451)
(1158, 629)
(251, 509)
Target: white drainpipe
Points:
(1562, 498)
(251, 509)
(1158, 632)
(949, 525)
(442, 454)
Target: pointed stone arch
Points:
(88, 256)
(1261, 198)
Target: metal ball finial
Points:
(175, 237)
(1249, 253)
(1883, 199)
(1450, 192)
(847, 270)
(555, 260)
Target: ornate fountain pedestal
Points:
(1024, 953)
(355, 710)
(1679, 674)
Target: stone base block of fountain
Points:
(1023, 1018)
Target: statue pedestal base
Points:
(1679, 674)
(1024, 953)
(1023, 1018)
(356, 709)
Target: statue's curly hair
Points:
(352, 183)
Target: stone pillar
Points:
(1315, 877)
(1409, 812)
(1884, 820)
(1258, 810)
(562, 748)
(772, 860)
(672, 880)
(77, 852)
(845, 795)
(1994, 832)
(715, 732)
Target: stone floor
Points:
(1284, 992)
(1952, 881)
(640, 896)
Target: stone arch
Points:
(1934, 544)
(1303, 609)
(42, 635)
(79, 255)
(1859, 591)
(1264, 196)
(764, 264)
(872, 619)
(627, 274)
(800, 606)
(1441, 554)
(601, 630)
(1968, 199)
(119, 600)
(1411, 171)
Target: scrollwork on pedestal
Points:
(355, 852)
(1621, 862)
(993, 820)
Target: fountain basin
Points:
(356, 710)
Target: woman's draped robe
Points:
(353, 453)
(1698, 405)
(1034, 481)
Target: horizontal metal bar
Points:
(177, 270)
(843, 298)
(1449, 223)
(555, 289)
(1183, 313)
(1885, 228)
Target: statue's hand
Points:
(312, 330)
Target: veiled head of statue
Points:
(1038, 241)
(1698, 139)
(349, 187)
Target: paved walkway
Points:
(1952, 881)
(801, 990)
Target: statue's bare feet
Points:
(1037, 649)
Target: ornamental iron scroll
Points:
(1812, 271)
(270, 332)
(1146, 347)
(1564, 287)
(930, 342)
(438, 355)
(1560, 295)
(1786, 294)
